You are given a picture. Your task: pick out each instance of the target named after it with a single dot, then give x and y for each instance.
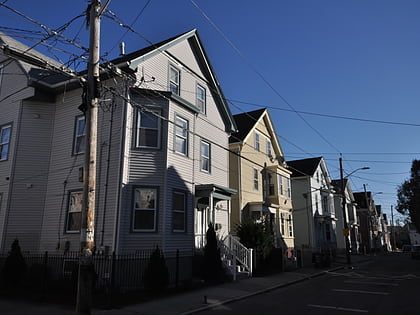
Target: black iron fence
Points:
(117, 272)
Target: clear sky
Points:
(358, 60)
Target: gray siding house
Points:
(162, 151)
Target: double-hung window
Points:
(201, 99)
(181, 135)
(270, 184)
(145, 209)
(174, 80)
(289, 187)
(282, 225)
(257, 142)
(290, 225)
(179, 210)
(148, 129)
(5, 135)
(74, 212)
(269, 151)
(256, 179)
(205, 156)
(281, 188)
(79, 135)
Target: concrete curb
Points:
(277, 286)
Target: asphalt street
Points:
(388, 284)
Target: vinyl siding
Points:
(30, 176)
(11, 92)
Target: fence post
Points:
(177, 269)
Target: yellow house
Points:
(259, 173)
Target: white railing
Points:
(233, 251)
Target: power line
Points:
(261, 76)
(333, 116)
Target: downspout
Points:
(165, 192)
(193, 198)
(239, 184)
(121, 161)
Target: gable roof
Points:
(245, 122)
(132, 60)
(305, 167)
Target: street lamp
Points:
(346, 230)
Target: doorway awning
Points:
(219, 192)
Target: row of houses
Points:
(171, 159)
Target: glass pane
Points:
(145, 198)
(73, 222)
(148, 138)
(76, 202)
(179, 201)
(174, 75)
(5, 134)
(144, 220)
(178, 221)
(80, 144)
(4, 150)
(174, 88)
(81, 127)
(205, 164)
(148, 120)
(180, 145)
(205, 149)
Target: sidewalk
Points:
(194, 301)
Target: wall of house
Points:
(31, 172)
(13, 81)
(302, 212)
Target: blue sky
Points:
(353, 59)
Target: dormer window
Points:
(174, 80)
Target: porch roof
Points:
(219, 192)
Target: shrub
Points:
(212, 263)
(14, 268)
(156, 276)
(256, 235)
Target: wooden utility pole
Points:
(346, 230)
(87, 229)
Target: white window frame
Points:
(257, 141)
(79, 141)
(157, 128)
(181, 135)
(205, 158)
(281, 187)
(282, 225)
(181, 212)
(290, 225)
(5, 142)
(271, 185)
(145, 200)
(256, 179)
(174, 85)
(201, 97)
(289, 187)
(269, 150)
(74, 207)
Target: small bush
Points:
(14, 268)
(156, 275)
(212, 263)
